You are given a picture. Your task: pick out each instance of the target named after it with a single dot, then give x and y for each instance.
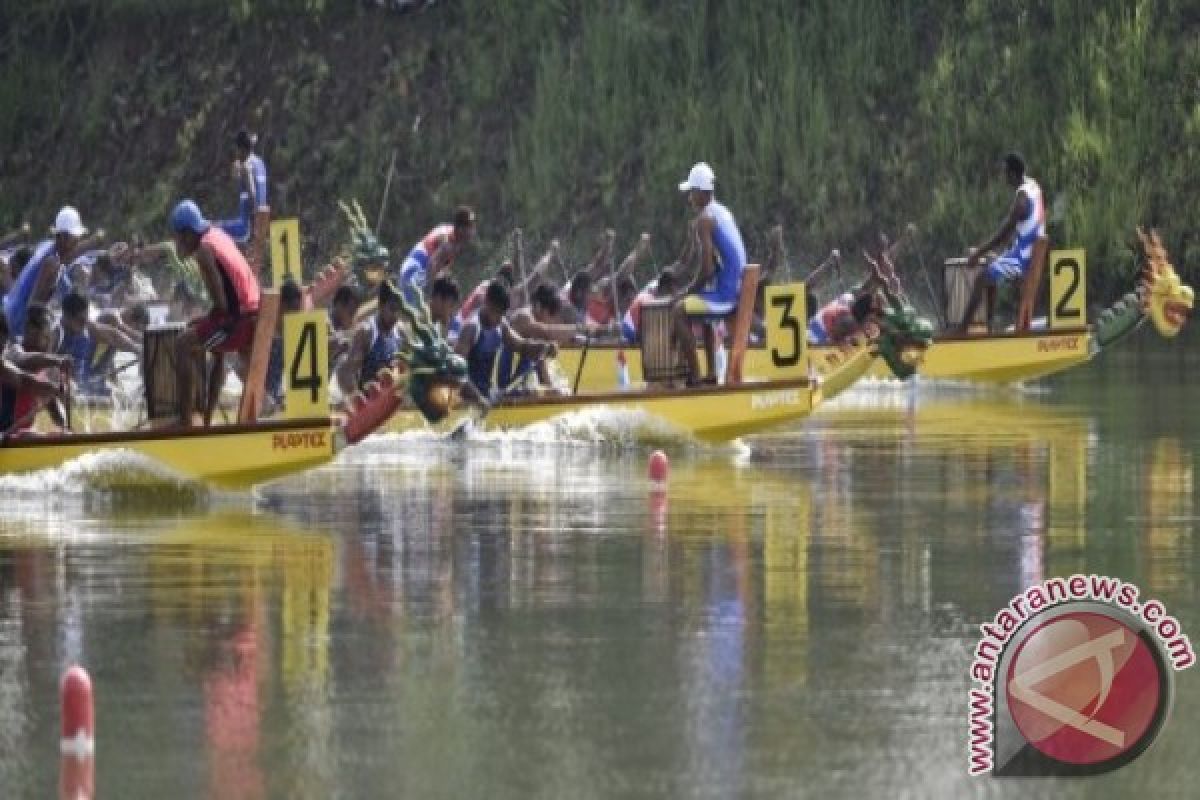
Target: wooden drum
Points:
(159, 373)
(959, 280)
(660, 361)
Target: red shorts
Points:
(222, 333)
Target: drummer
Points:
(234, 292)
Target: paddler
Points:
(92, 346)
(40, 277)
(375, 342)
(541, 320)
(20, 389)
(506, 274)
(853, 313)
(234, 292)
(342, 311)
(250, 172)
(437, 251)
(1025, 224)
(485, 334)
(713, 293)
(444, 298)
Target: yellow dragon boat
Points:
(999, 358)
(238, 455)
(738, 407)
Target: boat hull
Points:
(714, 414)
(230, 457)
(1002, 358)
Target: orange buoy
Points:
(77, 769)
(659, 466)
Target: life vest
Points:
(16, 302)
(242, 291)
(481, 360)
(90, 358)
(730, 252)
(383, 349)
(1033, 225)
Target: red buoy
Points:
(659, 466)
(77, 777)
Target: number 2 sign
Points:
(1068, 289)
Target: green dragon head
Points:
(904, 336)
(433, 370)
(368, 256)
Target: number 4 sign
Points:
(306, 364)
(285, 251)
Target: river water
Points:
(516, 617)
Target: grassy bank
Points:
(836, 118)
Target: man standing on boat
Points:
(250, 172)
(234, 292)
(713, 293)
(436, 252)
(40, 277)
(1026, 223)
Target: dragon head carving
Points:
(1166, 298)
(904, 336)
(368, 256)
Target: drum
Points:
(159, 374)
(959, 281)
(660, 361)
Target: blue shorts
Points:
(816, 332)
(1007, 267)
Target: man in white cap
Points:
(713, 293)
(40, 276)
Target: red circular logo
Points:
(1085, 688)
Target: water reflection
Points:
(541, 621)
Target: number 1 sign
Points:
(285, 252)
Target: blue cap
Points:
(187, 217)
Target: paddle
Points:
(937, 307)
(833, 260)
(587, 343)
(468, 423)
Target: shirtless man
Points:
(20, 390)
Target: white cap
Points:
(68, 222)
(701, 177)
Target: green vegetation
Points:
(836, 118)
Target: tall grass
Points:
(835, 118)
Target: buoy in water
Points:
(77, 771)
(659, 466)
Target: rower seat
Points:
(743, 318)
(1031, 284)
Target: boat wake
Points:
(588, 429)
(118, 474)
